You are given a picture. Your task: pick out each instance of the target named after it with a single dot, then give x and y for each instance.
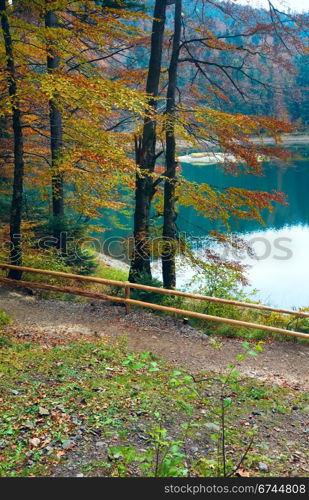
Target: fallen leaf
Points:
(242, 473)
(60, 453)
(35, 442)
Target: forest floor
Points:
(52, 322)
(83, 393)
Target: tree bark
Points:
(146, 153)
(17, 194)
(55, 118)
(169, 226)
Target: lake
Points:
(280, 270)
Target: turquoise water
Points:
(292, 179)
(280, 269)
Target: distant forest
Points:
(284, 96)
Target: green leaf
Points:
(227, 402)
(214, 437)
(144, 355)
(138, 366)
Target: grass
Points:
(110, 273)
(67, 397)
(4, 319)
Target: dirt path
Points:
(51, 322)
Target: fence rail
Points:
(127, 301)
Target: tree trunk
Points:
(146, 153)
(55, 119)
(169, 226)
(17, 195)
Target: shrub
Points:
(143, 295)
(4, 319)
(84, 263)
(81, 260)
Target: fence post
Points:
(127, 296)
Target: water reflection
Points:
(292, 179)
(282, 282)
(279, 270)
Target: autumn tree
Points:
(211, 80)
(145, 152)
(56, 132)
(71, 105)
(169, 214)
(18, 176)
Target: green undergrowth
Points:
(4, 319)
(218, 329)
(155, 420)
(268, 318)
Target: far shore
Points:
(285, 139)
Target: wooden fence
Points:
(127, 286)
